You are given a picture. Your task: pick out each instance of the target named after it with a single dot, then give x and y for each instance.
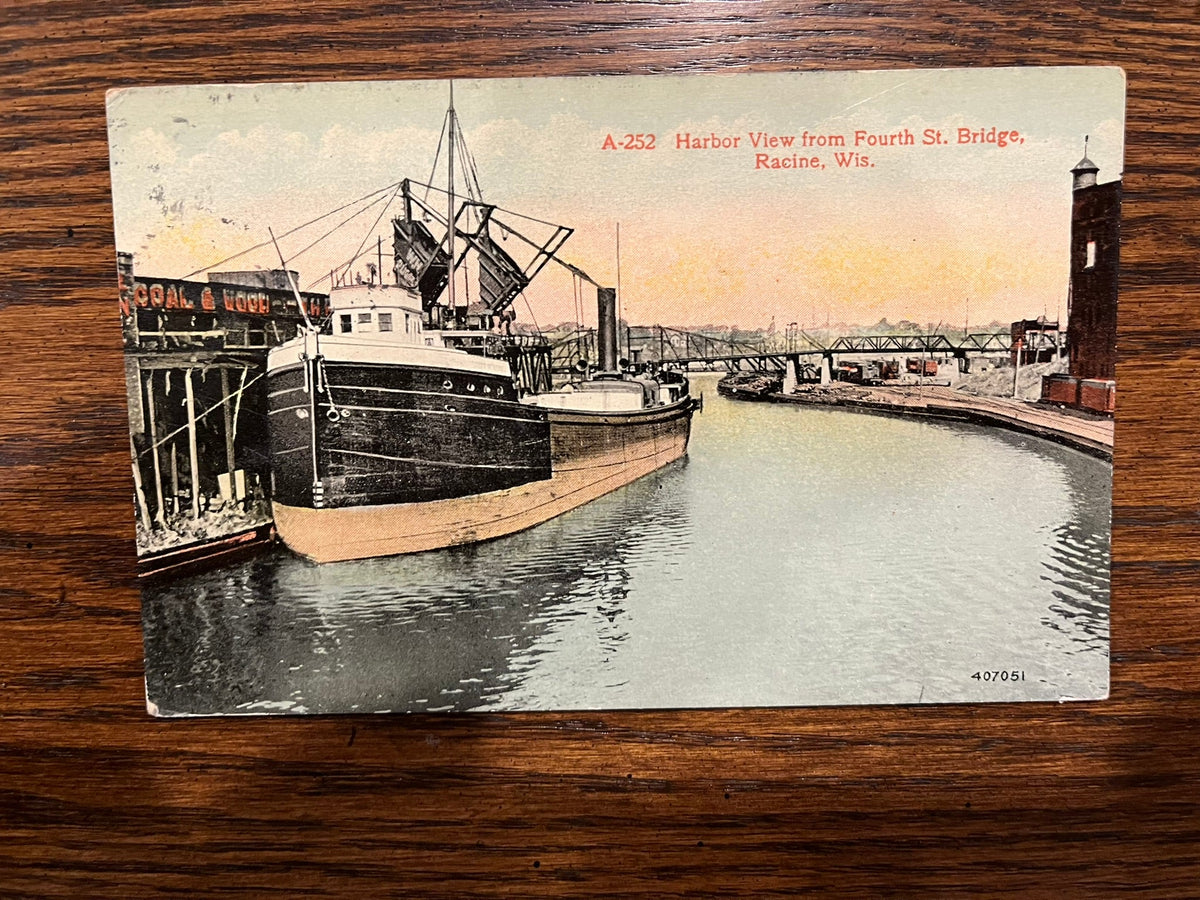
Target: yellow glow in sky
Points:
(930, 231)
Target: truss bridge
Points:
(695, 348)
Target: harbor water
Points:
(797, 556)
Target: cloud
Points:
(200, 173)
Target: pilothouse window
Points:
(345, 324)
(364, 322)
(385, 321)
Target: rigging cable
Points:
(161, 441)
(333, 229)
(511, 212)
(436, 156)
(533, 318)
(293, 230)
(577, 297)
(370, 231)
(472, 179)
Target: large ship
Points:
(401, 423)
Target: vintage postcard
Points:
(621, 392)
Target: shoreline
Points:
(1092, 435)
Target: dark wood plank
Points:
(98, 800)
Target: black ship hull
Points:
(594, 453)
(351, 434)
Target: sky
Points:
(957, 233)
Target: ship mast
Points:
(419, 253)
(450, 201)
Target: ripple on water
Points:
(796, 556)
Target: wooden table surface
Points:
(98, 800)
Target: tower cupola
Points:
(1085, 170)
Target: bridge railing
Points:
(677, 345)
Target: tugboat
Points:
(400, 424)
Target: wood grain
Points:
(98, 800)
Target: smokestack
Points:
(606, 337)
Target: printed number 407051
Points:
(1000, 675)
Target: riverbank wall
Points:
(1089, 433)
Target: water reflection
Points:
(797, 556)
(436, 631)
(1080, 556)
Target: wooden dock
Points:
(208, 554)
(1089, 433)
